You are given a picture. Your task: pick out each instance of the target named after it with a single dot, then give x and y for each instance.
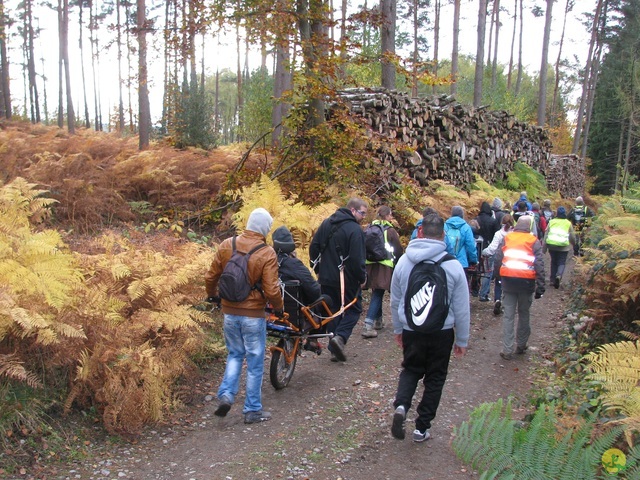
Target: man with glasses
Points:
(338, 246)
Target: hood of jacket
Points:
(485, 208)
(342, 215)
(421, 249)
(455, 222)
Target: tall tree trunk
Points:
(144, 118)
(60, 69)
(553, 117)
(587, 75)
(627, 154)
(416, 53)
(95, 60)
(64, 42)
(388, 42)
(5, 94)
(494, 65)
(87, 122)
(130, 62)
(519, 78)
(239, 80)
(120, 125)
(513, 42)
(454, 51)
(619, 167)
(31, 63)
(542, 87)
(491, 23)
(593, 81)
(436, 40)
(477, 83)
(343, 39)
(45, 105)
(282, 82)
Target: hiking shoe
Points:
(419, 436)
(506, 356)
(497, 307)
(337, 348)
(397, 426)
(521, 350)
(556, 282)
(224, 405)
(334, 358)
(484, 299)
(257, 417)
(368, 331)
(378, 324)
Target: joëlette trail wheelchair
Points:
(299, 323)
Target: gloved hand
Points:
(215, 300)
(279, 313)
(539, 293)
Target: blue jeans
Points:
(375, 305)
(485, 287)
(245, 337)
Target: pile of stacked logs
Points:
(436, 138)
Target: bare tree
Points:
(95, 62)
(587, 76)
(436, 38)
(454, 51)
(5, 94)
(494, 65)
(388, 42)
(144, 118)
(519, 78)
(556, 87)
(120, 125)
(482, 23)
(63, 6)
(29, 35)
(513, 41)
(542, 87)
(87, 122)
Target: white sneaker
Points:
(419, 436)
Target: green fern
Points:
(502, 448)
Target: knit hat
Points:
(524, 224)
(497, 203)
(283, 240)
(547, 203)
(457, 211)
(579, 201)
(260, 222)
(535, 206)
(561, 213)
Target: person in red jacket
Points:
(519, 263)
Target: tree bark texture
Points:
(542, 87)
(454, 52)
(436, 138)
(5, 96)
(144, 116)
(388, 42)
(479, 74)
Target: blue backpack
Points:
(454, 239)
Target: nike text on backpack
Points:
(234, 285)
(426, 302)
(374, 240)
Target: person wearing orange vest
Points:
(519, 263)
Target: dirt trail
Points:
(333, 420)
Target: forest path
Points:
(333, 420)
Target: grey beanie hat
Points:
(260, 222)
(579, 201)
(283, 240)
(547, 203)
(535, 206)
(497, 203)
(457, 211)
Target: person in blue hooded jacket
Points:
(461, 243)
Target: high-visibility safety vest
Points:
(386, 225)
(518, 260)
(558, 232)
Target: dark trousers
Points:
(344, 324)
(426, 357)
(558, 261)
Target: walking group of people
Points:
(511, 244)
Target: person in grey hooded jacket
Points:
(426, 356)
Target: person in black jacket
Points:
(488, 228)
(290, 270)
(337, 246)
